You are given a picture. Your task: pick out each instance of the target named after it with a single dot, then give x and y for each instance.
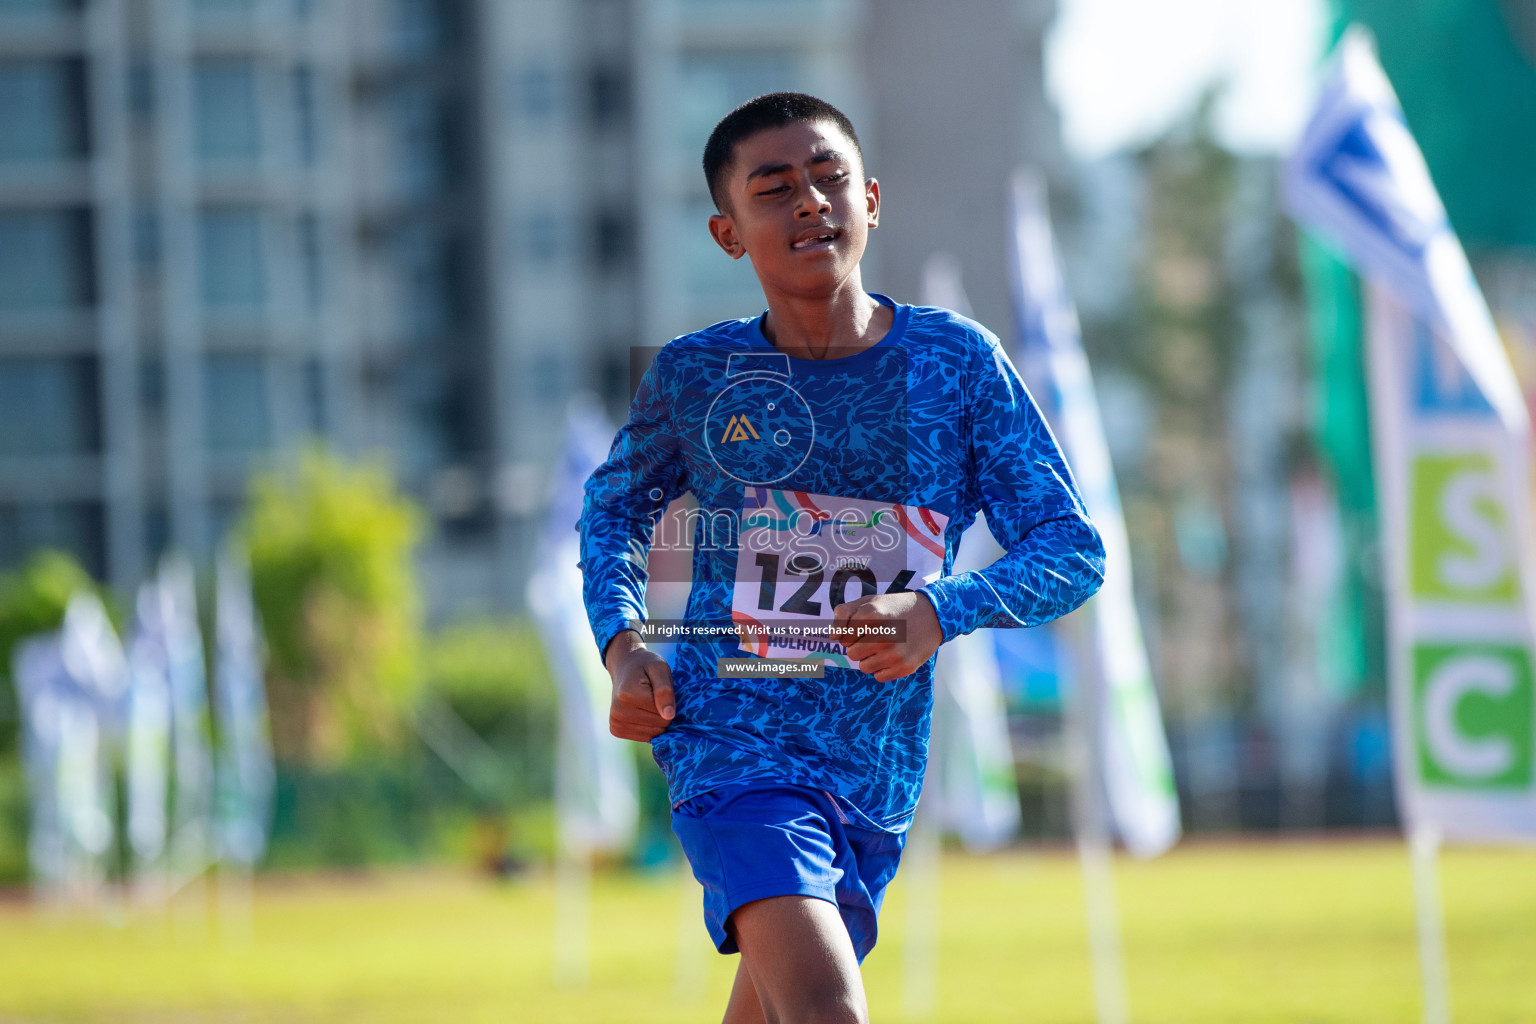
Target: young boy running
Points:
(838, 445)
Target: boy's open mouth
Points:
(820, 239)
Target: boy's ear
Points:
(872, 201)
(723, 230)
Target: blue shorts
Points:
(752, 841)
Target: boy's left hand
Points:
(914, 641)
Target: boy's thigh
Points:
(800, 959)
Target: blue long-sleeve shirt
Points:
(935, 417)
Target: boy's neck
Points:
(841, 324)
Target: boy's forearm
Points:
(1058, 565)
(624, 642)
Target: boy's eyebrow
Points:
(819, 157)
(767, 169)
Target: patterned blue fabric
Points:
(933, 415)
(752, 842)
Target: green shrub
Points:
(331, 569)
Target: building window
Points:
(223, 11)
(37, 9)
(75, 527)
(421, 27)
(229, 259)
(227, 126)
(608, 96)
(541, 237)
(706, 269)
(42, 110)
(146, 237)
(141, 89)
(310, 260)
(45, 260)
(157, 532)
(715, 82)
(315, 411)
(423, 260)
(537, 93)
(152, 388)
(306, 114)
(424, 131)
(235, 404)
(613, 239)
(48, 407)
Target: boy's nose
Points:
(815, 203)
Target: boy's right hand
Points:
(643, 705)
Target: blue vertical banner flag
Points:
(1452, 445)
(147, 740)
(95, 659)
(72, 684)
(42, 691)
(1128, 732)
(245, 774)
(192, 757)
(596, 791)
(97, 671)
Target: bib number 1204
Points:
(801, 601)
(801, 555)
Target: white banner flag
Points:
(94, 656)
(148, 742)
(970, 755)
(596, 792)
(68, 683)
(1452, 449)
(97, 668)
(245, 774)
(1138, 773)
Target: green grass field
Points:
(1295, 932)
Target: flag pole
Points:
(691, 967)
(1091, 828)
(573, 914)
(573, 877)
(919, 992)
(1424, 851)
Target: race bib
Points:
(801, 555)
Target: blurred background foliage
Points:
(352, 676)
(331, 546)
(32, 600)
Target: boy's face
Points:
(798, 204)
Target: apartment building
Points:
(418, 227)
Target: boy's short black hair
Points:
(774, 110)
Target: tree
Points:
(331, 566)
